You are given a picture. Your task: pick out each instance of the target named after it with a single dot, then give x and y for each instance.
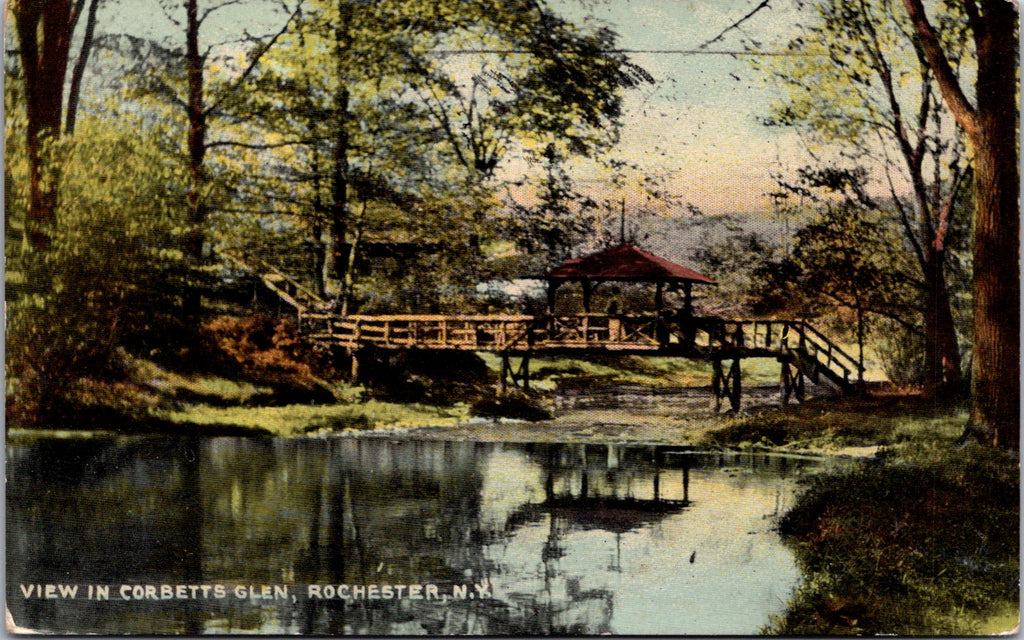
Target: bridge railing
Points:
(643, 332)
(296, 294)
(488, 332)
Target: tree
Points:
(871, 91)
(44, 29)
(845, 258)
(991, 126)
(559, 220)
(113, 270)
(200, 83)
(374, 100)
(88, 37)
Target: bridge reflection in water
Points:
(569, 538)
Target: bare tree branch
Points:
(765, 4)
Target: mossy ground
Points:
(922, 539)
(856, 421)
(923, 542)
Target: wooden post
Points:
(716, 383)
(686, 479)
(734, 397)
(586, 295)
(503, 378)
(659, 297)
(786, 382)
(354, 371)
(552, 288)
(524, 371)
(688, 298)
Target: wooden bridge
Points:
(803, 352)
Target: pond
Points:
(369, 536)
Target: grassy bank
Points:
(300, 419)
(925, 543)
(860, 421)
(150, 398)
(921, 540)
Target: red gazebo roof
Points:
(625, 262)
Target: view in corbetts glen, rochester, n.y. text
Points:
(512, 317)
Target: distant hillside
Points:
(677, 239)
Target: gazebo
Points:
(624, 263)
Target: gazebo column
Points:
(552, 289)
(659, 297)
(688, 298)
(587, 290)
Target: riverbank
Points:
(923, 542)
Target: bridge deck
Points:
(647, 334)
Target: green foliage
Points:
(112, 271)
(738, 263)
(902, 353)
(415, 136)
(865, 92)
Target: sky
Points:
(700, 121)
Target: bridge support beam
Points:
(520, 378)
(792, 382)
(726, 384)
(354, 366)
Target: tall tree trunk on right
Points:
(991, 126)
(996, 373)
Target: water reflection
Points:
(582, 539)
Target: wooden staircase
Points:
(303, 299)
(814, 354)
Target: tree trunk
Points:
(991, 126)
(320, 248)
(196, 196)
(340, 168)
(44, 37)
(942, 351)
(79, 69)
(339, 187)
(348, 286)
(996, 375)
